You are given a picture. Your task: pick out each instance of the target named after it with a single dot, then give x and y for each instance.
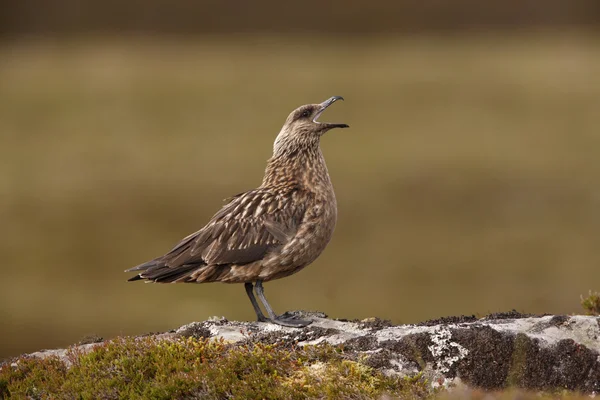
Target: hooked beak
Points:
(323, 107)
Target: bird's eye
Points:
(305, 114)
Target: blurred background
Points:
(467, 184)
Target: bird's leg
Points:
(250, 292)
(261, 295)
(291, 322)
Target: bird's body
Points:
(267, 233)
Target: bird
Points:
(267, 233)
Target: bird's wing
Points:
(243, 231)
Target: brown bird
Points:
(267, 233)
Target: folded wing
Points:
(243, 231)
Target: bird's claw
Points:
(262, 318)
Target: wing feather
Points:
(243, 231)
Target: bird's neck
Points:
(305, 168)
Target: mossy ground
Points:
(151, 368)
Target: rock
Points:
(500, 350)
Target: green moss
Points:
(591, 304)
(150, 368)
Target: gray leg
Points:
(250, 292)
(294, 323)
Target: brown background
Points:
(467, 184)
(65, 17)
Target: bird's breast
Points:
(316, 197)
(312, 236)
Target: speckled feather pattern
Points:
(267, 233)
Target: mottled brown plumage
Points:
(267, 233)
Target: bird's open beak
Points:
(323, 107)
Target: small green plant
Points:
(591, 304)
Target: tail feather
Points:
(135, 278)
(159, 272)
(166, 274)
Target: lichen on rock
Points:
(355, 358)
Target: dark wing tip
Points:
(142, 267)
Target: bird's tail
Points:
(158, 271)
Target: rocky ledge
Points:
(497, 351)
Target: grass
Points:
(466, 184)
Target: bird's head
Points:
(302, 128)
